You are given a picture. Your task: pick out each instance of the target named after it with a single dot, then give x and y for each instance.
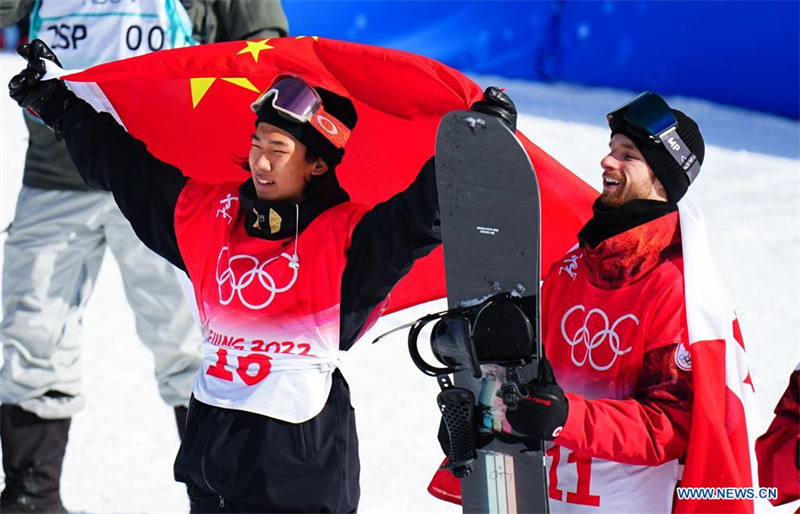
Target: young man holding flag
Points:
(286, 271)
(637, 330)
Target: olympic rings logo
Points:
(238, 285)
(592, 341)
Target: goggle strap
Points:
(681, 153)
(331, 128)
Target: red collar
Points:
(625, 258)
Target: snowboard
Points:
(490, 220)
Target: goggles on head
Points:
(295, 99)
(648, 113)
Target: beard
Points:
(623, 194)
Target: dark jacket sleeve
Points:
(385, 244)
(145, 189)
(216, 21)
(12, 11)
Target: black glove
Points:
(497, 103)
(47, 99)
(542, 411)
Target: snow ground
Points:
(122, 445)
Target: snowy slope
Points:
(122, 445)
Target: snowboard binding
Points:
(495, 332)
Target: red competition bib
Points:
(270, 322)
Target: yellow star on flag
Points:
(255, 47)
(199, 88)
(201, 85)
(315, 38)
(241, 82)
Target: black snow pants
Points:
(236, 461)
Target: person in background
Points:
(62, 227)
(778, 449)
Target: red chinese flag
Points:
(191, 106)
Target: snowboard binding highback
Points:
(494, 331)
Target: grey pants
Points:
(51, 260)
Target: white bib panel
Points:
(586, 485)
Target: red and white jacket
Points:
(269, 311)
(614, 330)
